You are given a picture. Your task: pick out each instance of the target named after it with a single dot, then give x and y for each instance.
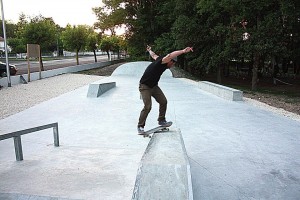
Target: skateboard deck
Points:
(155, 130)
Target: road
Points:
(54, 64)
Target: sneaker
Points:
(140, 130)
(164, 123)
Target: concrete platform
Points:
(164, 170)
(221, 91)
(97, 89)
(236, 151)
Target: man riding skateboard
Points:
(149, 86)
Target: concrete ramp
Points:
(164, 171)
(97, 89)
(136, 69)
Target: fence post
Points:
(55, 134)
(18, 148)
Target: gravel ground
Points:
(20, 97)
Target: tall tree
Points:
(220, 31)
(266, 30)
(92, 42)
(110, 43)
(75, 38)
(11, 29)
(39, 30)
(110, 16)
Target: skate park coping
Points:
(137, 69)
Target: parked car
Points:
(12, 69)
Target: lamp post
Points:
(5, 46)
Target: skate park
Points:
(219, 146)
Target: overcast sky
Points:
(74, 12)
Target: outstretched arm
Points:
(174, 54)
(152, 54)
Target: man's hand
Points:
(188, 49)
(152, 54)
(148, 48)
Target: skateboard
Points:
(155, 130)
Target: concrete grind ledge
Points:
(164, 171)
(221, 91)
(96, 89)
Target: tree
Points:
(75, 38)
(220, 30)
(10, 29)
(92, 42)
(39, 30)
(266, 29)
(110, 16)
(17, 45)
(111, 43)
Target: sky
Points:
(74, 12)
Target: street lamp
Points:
(5, 46)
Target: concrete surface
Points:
(236, 150)
(164, 167)
(8, 196)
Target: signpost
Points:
(5, 46)
(33, 51)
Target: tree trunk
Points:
(254, 71)
(219, 74)
(95, 56)
(108, 55)
(77, 59)
(41, 61)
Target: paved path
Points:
(236, 151)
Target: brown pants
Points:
(158, 95)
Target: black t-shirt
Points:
(153, 73)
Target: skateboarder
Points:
(149, 86)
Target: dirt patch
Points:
(278, 101)
(105, 71)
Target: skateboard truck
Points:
(155, 130)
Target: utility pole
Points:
(5, 47)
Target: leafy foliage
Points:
(75, 38)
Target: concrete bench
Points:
(97, 89)
(164, 171)
(17, 137)
(221, 91)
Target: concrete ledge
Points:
(49, 73)
(221, 91)
(96, 89)
(164, 171)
